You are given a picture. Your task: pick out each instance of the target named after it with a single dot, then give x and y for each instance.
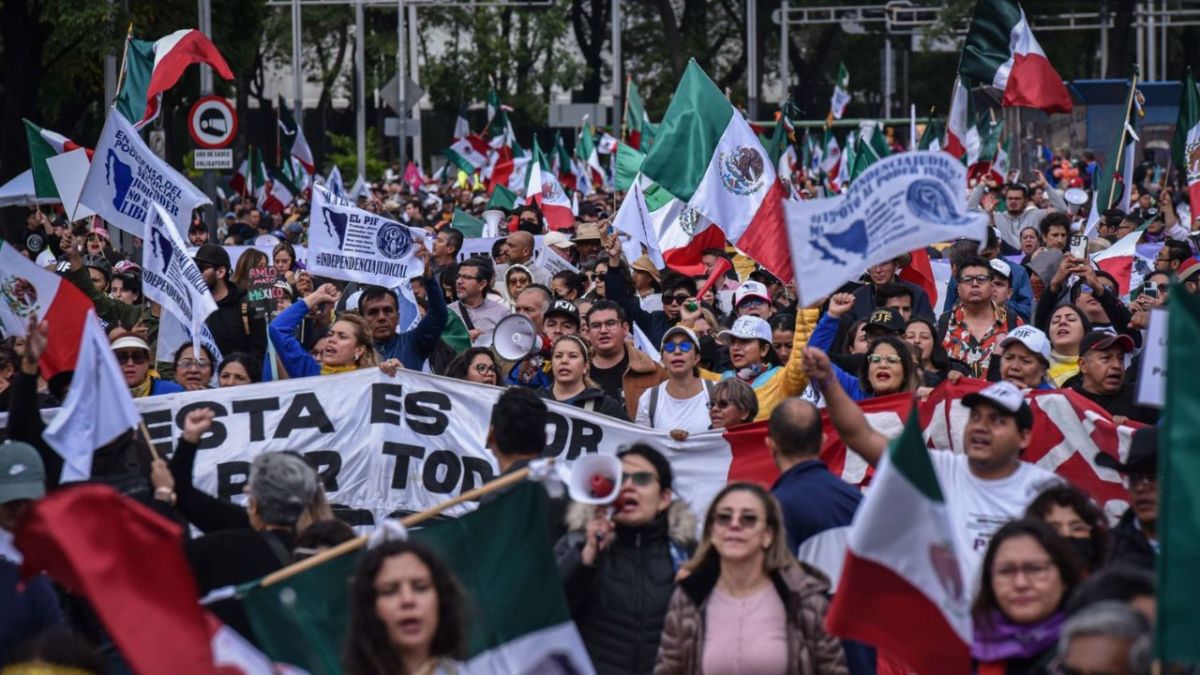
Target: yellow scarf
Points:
(333, 370)
(142, 390)
(1062, 368)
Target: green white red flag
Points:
(543, 188)
(841, 94)
(707, 156)
(28, 291)
(44, 144)
(1000, 50)
(154, 67)
(1185, 148)
(291, 138)
(959, 121)
(468, 153)
(639, 130)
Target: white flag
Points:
(171, 278)
(359, 190)
(334, 182)
(633, 219)
(902, 202)
(346, 242)
(98, 408)
(127, 177)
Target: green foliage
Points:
(344, 155)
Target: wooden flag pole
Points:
(124, 63)
(408, 521)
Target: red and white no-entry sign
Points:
(212, 122)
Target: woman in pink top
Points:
(747, 605)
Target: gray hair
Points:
(283, 486)
(738, 393)
(1108, 618)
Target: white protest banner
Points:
(173, 334)
(553, 262)
(127, 177)
(1152, 381)
(70, 170)
(171, 278)
(353, 244)
(900, 203)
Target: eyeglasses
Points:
(639, 478)
(485, 369)
(599, 325)
(672, 347)
(674, 299)
(529, 221)
(594, 276)
(468, 277)
(880, 358)
(975, 279)
(135, 357)
(746, 521)
(203, 266)
(188, 364)
(1033, 571)
(719, 404)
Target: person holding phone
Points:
(1094, 292)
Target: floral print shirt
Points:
(975, 352)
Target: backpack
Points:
(708, 387)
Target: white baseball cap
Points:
(1005, 396)
(1032, 339)
(129, 342)
(750, 289)
(747, 328)
(1001, 267)
(679, 330)
(557, 239)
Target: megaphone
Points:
(595, 479)
(515, 338)
(491, 222)
(1075, 197)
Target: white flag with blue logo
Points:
(126, 178)
(171, 278)
(353, 244)
(902, 202)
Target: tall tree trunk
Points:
(23, 37)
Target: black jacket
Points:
(236, 326)
(591, 399)
(619, 603)
(232, 557)
(1130, 546)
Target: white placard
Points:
(1152, 381)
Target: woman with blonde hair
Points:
(570, 363)
(747, 605)
(348, 346)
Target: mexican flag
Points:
(1178, 516)
(503, 198)
(708, 157)
(1113, 181)
(499, 129)
(468, 153)
(242, 181)
(1119, 260)
(462, 127)
(279, 193)
(561, 164)
(154, 67)
(870, 147)
(501, 555)
(831, 158)
(469, 225)
(841, 94)
(542, 187)
(30, 291)
(291, 137)
(984, 148)
(639, 130)
(586, 151)
(44, 144)
(935, 132)
(958, 124)
(902, 588)
(1001, 50)
(1185, 149)
(683, 233)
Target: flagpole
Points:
(124, 63)
(625, 110)
(408, 521)
(1112, 180)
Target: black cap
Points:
(212, 254)
(1099, 339)
(564, 308)
(1143, 454)
(887, 318)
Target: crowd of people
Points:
(652, 586)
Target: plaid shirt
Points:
(975, 352)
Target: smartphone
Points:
(1078, 247)
(1151, 289)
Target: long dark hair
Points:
(938, 358)
(847, 345)
(462, 363)
(1060, 554)
(907, 365)
(1071, 497)
(368, 650)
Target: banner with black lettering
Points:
(353, 244)
(171, 278)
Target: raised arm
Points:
(282, 333)
(847, 417)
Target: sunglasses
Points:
(135, 357)
(975, 279)
(747, 521)
(720, 404)
(639, 478)
(752, 302)
(674, 299)
(880, 358)
(672, 347)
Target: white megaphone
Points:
(515, 338)
(595, 479)
(1075, 198)
(491, 222)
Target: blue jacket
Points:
(297, 362)
(414, 346)
(822, 338)
(160, 387)
(29, 608)
(813, 500)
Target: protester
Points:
(478, 312)
(731, 402)
(237, 369)
(133, 355)
(933, 364)
(754, 362)
(193, 372)
(516, 279)
(680, 403)
(1077, 519)
(1107, 637)
(348, 346)
(619, 571)
(381, 308)
(477, 364)
(1102, 378)
(1135, 537)
(1129, 585)
(236, 325)
(971, 330)
(883, 285)
(283, 258)
(518, 250)
(747, 605)
(1066, 329)
(1028, 575)
(570, 362)
(1026, 358)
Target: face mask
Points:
(1084, 547)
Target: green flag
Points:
(1178, 525)
(1187, 137)
(139, 64)
(629, 163)
(871, 147)
(776, 143)
(44, 144)
(519, 622)
(1110, 181)
(935, 131)
(502, 198)
(466, 223)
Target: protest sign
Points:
(1152, 381)
(127, 177)
(900, 203)
(349, 243)
(260, 289)
(171, 278)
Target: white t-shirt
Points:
(979, 507)
(689, 414)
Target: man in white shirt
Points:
(479, 313)
(984, 487)
(680, 403)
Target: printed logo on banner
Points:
(688, 218)
(853, 239)
(164, 250)
(120, 176)
(19, 295)
(742, 170)
(393, 240)
(335, 224)
(930, 200)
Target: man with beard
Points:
(235, 326)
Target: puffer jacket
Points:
(620, 602)
(591, 399)
(805, 594)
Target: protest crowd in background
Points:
(832, 456)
